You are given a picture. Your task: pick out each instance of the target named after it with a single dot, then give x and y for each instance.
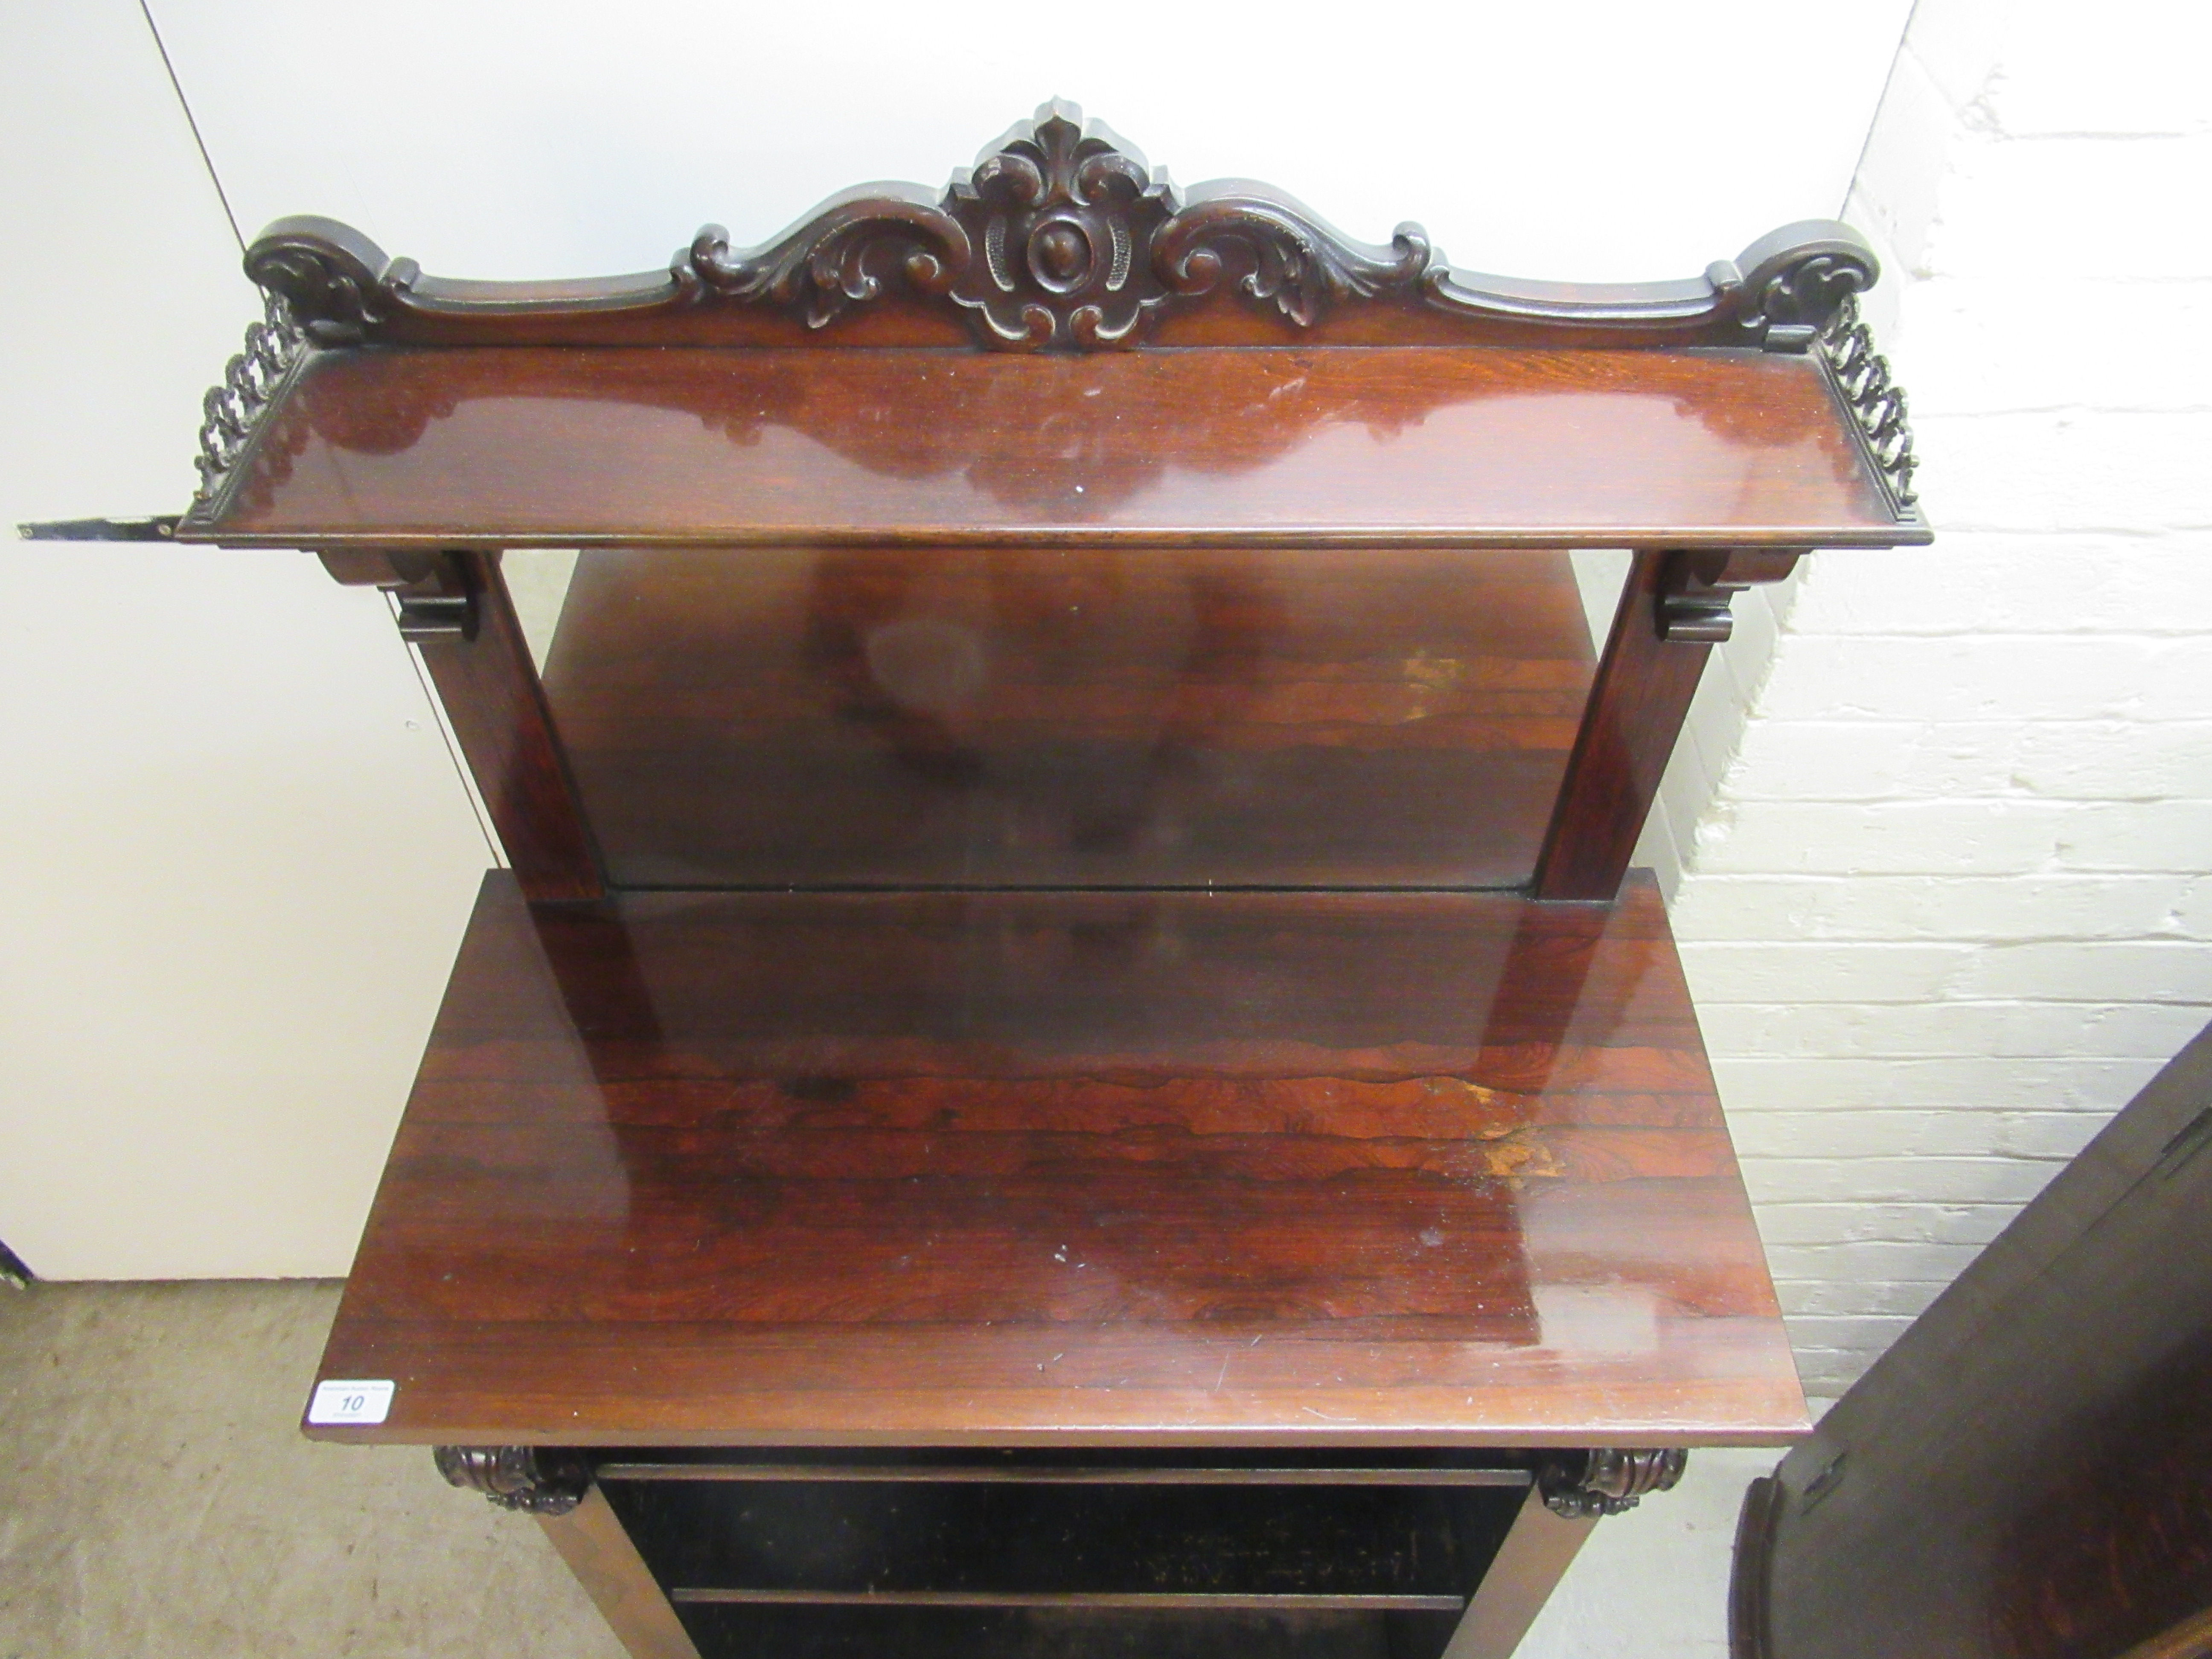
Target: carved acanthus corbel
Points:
(536, 1479)
(1583, 1486)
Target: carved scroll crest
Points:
(840, 256)
(1063, 237)
(337, 283)
(1060, 237)
(1063, 217)
(1795, 281)
(1296, 263)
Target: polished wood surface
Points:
(592, 1542)
(2023, 1475)
(1635, 712)
(579, 446)
(1528, 1566)
(1436, 1168)
(1094, 716)
(491, 694)
(1027, 1093)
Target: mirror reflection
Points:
(1067, 717)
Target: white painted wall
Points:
(567, 138)
(1946, 903)
(237, 859)
(234, 858)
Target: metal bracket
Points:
(163, 529)
(1695, 591)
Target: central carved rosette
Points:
(1063, 217)
(1061, 236)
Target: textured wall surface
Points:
(1942, 892)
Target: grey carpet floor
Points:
(156, 1498)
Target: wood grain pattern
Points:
(1076, 1168)
(1635, 712)
(581, 446)
(592, 1540)
(980, 717)
(1528, 1567)
(491, 694)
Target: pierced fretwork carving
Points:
(1061, 237)
(1861, 375)
(1583, 1485)
(533, 1479)
(249, 382)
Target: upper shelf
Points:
(575, 446)
(1295, 387)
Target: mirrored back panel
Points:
(1055, 717)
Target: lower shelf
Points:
(783, 1632)
(975, 1544)
(1106, 1600)
(1081, 1554)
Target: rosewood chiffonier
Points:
(1066, 1059)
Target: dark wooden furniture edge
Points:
(1777, 1434)
(1754, 1540)
(1577, 1484)
(2021, 1471)
(1794, 539)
